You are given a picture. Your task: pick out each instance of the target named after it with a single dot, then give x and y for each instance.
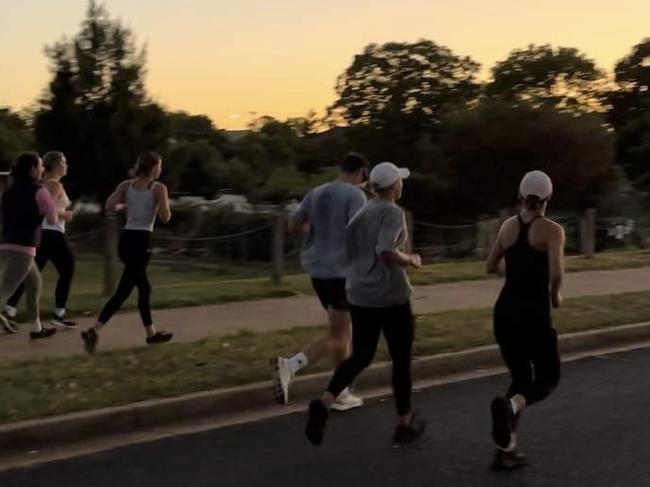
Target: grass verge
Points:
(52, 386)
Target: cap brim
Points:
(404, 172)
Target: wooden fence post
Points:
(277, 246)
(588, 233)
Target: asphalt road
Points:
(594, 431)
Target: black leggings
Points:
(135, 252)
(398, 326)
(53, 247)
(528, 345)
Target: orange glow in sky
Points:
(233, 60)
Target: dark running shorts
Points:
(331, 293)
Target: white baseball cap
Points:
(385, 174)
(536, 183)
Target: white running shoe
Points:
(61, 322)
(282, 376)
(10, 312)
(346, 401)
(7, 323)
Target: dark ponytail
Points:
(22, 168)
(146, 162)
(532, 202)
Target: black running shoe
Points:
(61, 322)
(316, 421)
(502, 420)
(409, 433)
(90, 339)
(159, 337)
(44, 333)
(508, 460)
(7, 323)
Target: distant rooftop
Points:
(235, 135)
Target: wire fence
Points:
(466, 240)
(223, 243)
(243, 245)
(622, 232)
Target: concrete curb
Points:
(157, 413)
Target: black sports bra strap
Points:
(524, 227)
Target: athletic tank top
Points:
(141, 208)
(62, 203)
(527, 274)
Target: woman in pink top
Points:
(23, 205)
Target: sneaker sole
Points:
(7, 326)
(160, 342)
(398, 441)
(501, 467)
(42, 337)
(342, 408)
(62, 326)
(500, 427)
(88, 347)
(278, 391)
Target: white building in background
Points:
(292, 207)
(238, 203)
(80, 207)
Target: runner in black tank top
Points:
(532, 247)
(527, 275)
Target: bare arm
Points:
(392, 226)
(556, 264)
(46, 206)
(298, 224)
(162, 200)
(118, 197)
(298, 227)
(397, 257)
(56, 190)
(495, 259)
(495, 264)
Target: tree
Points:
(15, 137)
(393, 82)
(184, 127)
(630, 113)
(96, 109)
(198, 168)
(490, 147)
(193, 168)
(270, 144)
(394, 96)
(305, 126)
(323, 149)
(559, 77)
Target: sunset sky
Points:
(231, 59)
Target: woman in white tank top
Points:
(143, 198)
(54, 246)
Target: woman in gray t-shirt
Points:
(378, 291)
